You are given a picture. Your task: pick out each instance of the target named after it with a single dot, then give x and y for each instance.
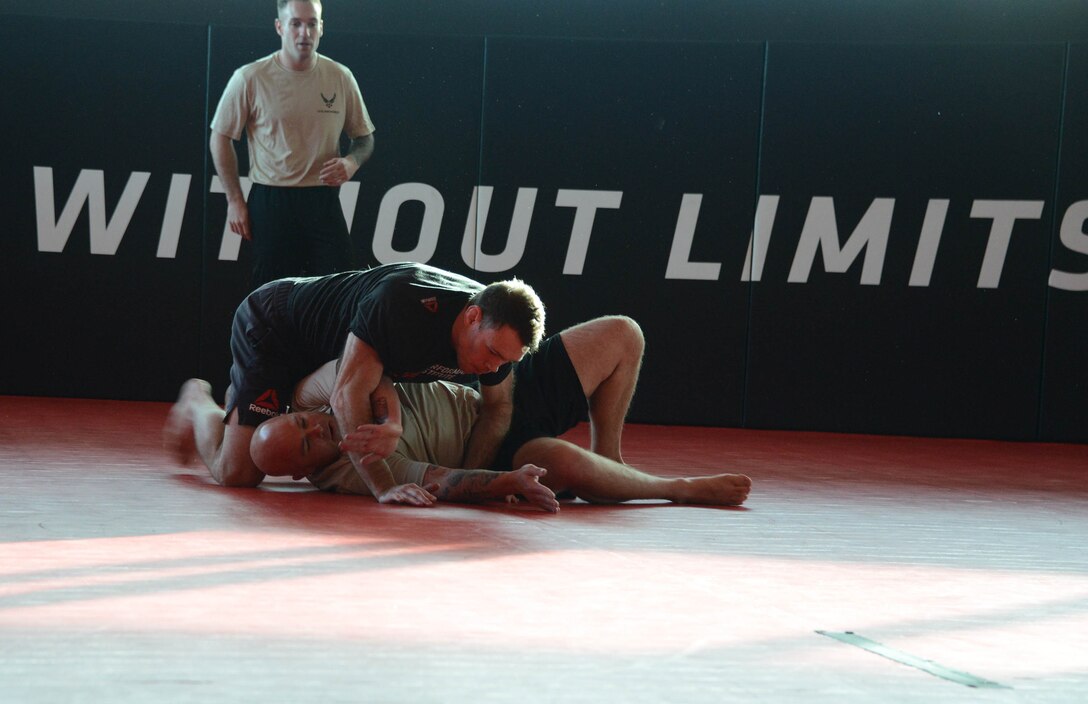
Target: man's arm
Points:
(360, 149)
(314, 393)
(379, 439)
(477, 485)
(335, 172)
(359, 376)
(226, 165)
(496, 410)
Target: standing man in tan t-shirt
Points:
(293, 107)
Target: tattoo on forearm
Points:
(467, 485)
(360, 149)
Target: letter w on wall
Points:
(53, 232)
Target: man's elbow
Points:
(219, 143)
(338, 402)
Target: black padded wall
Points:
(102, 197)
(1064, 402)
(906, 273)
(865, 236)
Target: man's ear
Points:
(473, 314)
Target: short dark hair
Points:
(516, 304)
(280, 4)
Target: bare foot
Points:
(717, 490)
(177, 433)
(525, 482)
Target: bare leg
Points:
(195, 426)
(475, 485)
(607, 354)
(601, 480)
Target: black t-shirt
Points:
(405, 311)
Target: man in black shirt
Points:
(401, 322)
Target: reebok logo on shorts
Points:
(431, 304)
(267, 404)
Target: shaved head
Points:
(295, 444)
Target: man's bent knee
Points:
(234, 466)
(629, 331)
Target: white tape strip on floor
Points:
(964, 678)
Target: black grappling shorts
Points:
(548, 399)
(264, 370)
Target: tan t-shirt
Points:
(437, 418)
(293, 119)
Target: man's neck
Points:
(458, 328)
(301, 67)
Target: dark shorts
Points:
(548, 399)
(264, 370)
(297, 232)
